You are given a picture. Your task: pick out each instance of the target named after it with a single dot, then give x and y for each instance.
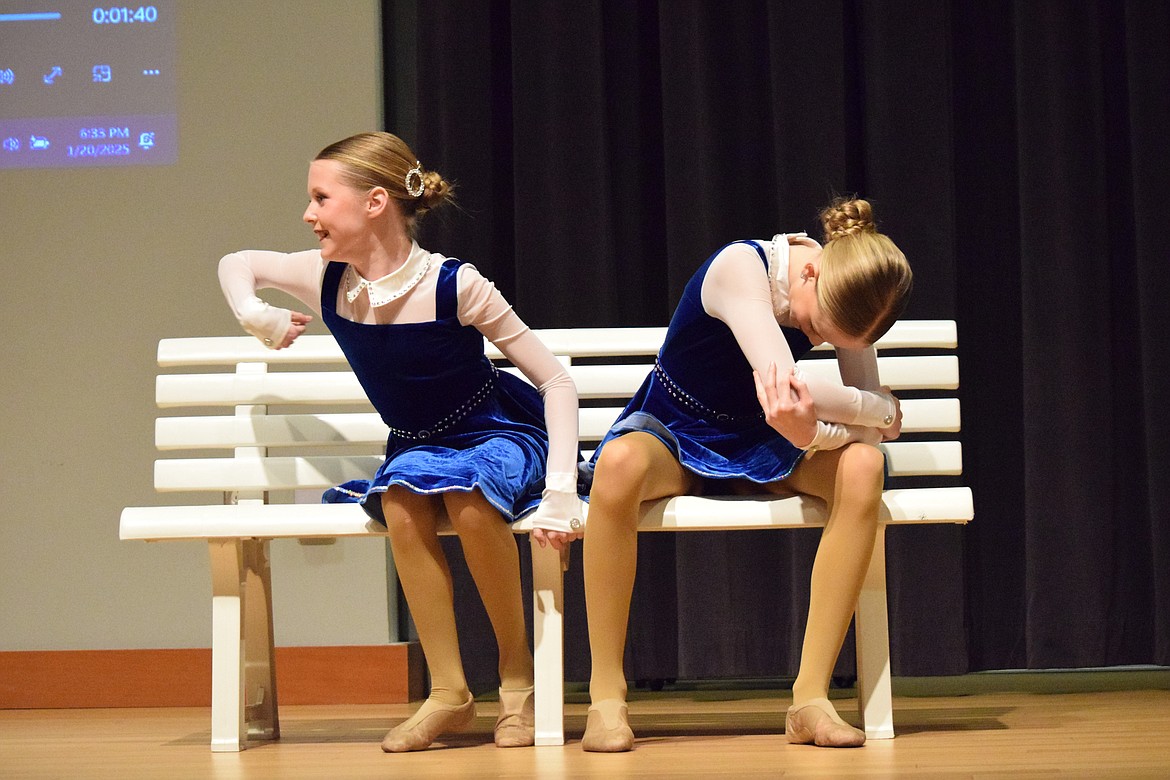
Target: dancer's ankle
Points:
(603, 690)
(516, 682)
(803, 692)
(452, 697)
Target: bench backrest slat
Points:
(571, 342)
(931, 458)
(367, 428)
(317, 442)
(272, 473)
(593, 382)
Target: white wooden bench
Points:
(320, 447)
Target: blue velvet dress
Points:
(456, 422)
(700, 398)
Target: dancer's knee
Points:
(862, 470)
(621, 469)
(472, 515)
(620, 475)
(406, 511)
(864, 462)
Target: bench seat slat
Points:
(256, 521)
(694, 513)
(701, 513)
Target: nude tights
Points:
(493, 559)
(640, 469)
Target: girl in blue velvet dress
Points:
(724, 404)
(465, 440)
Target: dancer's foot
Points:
(432, 719)
(815, 722)
(516, 726)
(607, 730)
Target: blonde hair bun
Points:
(435, 190)
(846, 217)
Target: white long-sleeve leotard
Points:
(753, 302)
(412, 289)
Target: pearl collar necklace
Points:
(778, 276)
(778, 263)
(391, 286)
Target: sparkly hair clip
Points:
(416, 171)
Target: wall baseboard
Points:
(358, 674)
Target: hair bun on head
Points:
(847, 217)
(435, 189)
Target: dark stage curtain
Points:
(1014, 150)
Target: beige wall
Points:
(98, 265)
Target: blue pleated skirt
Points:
(499, 449)
(733, 448)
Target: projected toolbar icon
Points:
(87, 86)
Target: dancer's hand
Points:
(275, 326)
(296, 327)
(558, 539)
(788, 405)
(559, 519)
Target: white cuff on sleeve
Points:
(560, 507)
(818, 442)
(265, 322)
(877, 409)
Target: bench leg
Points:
(548, 638)
(875, 699)
(242, 660)
(260, 713)
(227, 657)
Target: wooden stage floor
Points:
(681, 733)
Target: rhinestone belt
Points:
(464, 409)
(705, 412)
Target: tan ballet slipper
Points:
(516, 725)
(432, 719)
(816, 722)
(607, 729)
